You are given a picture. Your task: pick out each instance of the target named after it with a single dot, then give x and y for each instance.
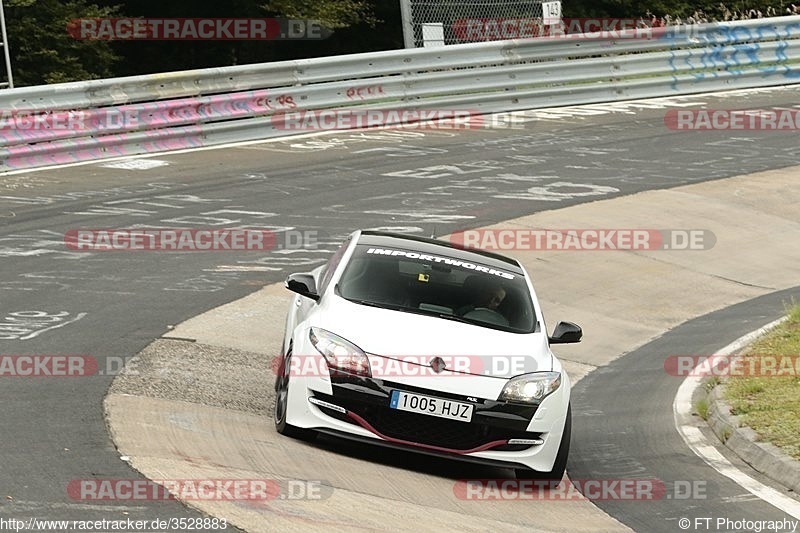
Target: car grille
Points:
(425, 429)
(431, 430)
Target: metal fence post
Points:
(6, 53)
(408, 25)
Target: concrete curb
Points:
(743, 441)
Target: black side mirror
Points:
(302, 284)
(566, 333)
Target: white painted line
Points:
(136, 163)
(682, 410)
(55, 326)
(242, 268)
(30, 505)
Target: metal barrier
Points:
(61, 123)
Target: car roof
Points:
(433, 246)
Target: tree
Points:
(332, 13)
(41, 49)
(352, 21)
(683, 9)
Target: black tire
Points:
(281, 398)
(560, 465)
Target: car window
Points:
(440, 286)
(331, 266)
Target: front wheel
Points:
(282, 403)
(560, 464)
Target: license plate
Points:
(427, 405)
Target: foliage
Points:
(680, 10)
(42, 51)
(332, 13)
(770, 404)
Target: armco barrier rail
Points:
(143, 114)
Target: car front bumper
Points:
(500, 433)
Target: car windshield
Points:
(438, 285)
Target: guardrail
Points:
(127, 116)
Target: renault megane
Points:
(418, 344)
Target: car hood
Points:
(416, 339)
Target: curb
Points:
(743, 441)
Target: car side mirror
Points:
(302, 284)
(566, 333)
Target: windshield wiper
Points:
(455, 318)
(413, 310)
(380, 305)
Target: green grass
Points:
(725, 434)
(710, 383)
(701, 408)
(771, 405)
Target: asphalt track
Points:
(624, 300)
(617, 437)
(111, 305)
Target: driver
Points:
(492, 297)
(489, 295)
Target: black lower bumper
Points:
(493, 423)
(425, 451)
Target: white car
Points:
(417, 344)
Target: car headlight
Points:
(339, 353)
(531, 388)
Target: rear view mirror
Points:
(302, 284)
(566, 333)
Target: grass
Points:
(702, 405)
(710, 383)
(725, 434)
(771, 405)
(701, 408)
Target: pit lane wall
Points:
(80, 121)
